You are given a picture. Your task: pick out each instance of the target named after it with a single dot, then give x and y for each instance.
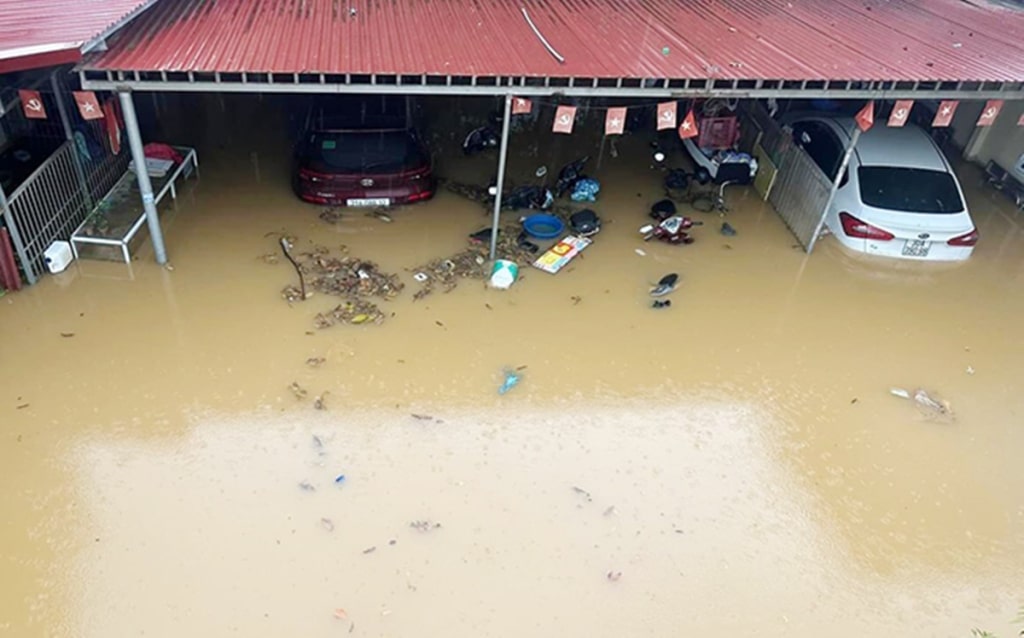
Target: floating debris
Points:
(339, 479)
(610, 511)
(934, 405)
(331, 215)
(327, 524)
(576, 299)
(422, 417)
(349, 277)
(511, 380)
(286, 247)
(297, 390)
(370, 550)
(931, 405)
(379, 213)
(315, 362)
(424, 526)
(291, 293)
(614, 576)
(318, 402)
(582, 492)
(307, 486)
(67, 335)
(353, 312)
(269, 258)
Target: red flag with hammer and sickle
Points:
(521, 106)
(88, 105)
(666, 115)
(866, 117)
(900, 112)
(990, 113)
(564, 118)
(32, 104)
(615, 121)
(944, 116)
(688, 128)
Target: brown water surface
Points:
(739, 457)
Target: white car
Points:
(898, 197)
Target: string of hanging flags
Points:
(900, 113)
(667, 116)
(615, 118)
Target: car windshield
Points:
(363, 151)
(910, 190)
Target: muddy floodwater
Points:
(732, 465)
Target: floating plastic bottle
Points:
(511, 380)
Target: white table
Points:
(119, 215)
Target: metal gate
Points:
(800, 190)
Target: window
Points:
(821, 144)
(359, 151)
(911, 190)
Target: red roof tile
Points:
(697, 39)
(43, 32)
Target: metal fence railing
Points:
(78, 170)
(47, 206)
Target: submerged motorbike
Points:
(672, 230)
(670, 227)
(480, 139)
(569, 175)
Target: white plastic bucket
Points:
(504, 273)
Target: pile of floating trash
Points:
(445, 273)
(346, 276)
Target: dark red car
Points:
(362, 151)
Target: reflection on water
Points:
(742, 438)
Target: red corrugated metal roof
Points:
(42, 32)
(732, 39)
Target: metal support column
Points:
(70, 135)
(501, 174)
(835, 186)
(131, 125)
(19, 247)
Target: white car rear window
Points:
(910, 190)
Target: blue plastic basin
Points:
(543, 226)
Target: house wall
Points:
(1003, 142)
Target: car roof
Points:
(903, 147)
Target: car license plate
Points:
(916, 248)
(373, 201)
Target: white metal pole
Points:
(501, 174)
(835, 187)
(131, 125)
